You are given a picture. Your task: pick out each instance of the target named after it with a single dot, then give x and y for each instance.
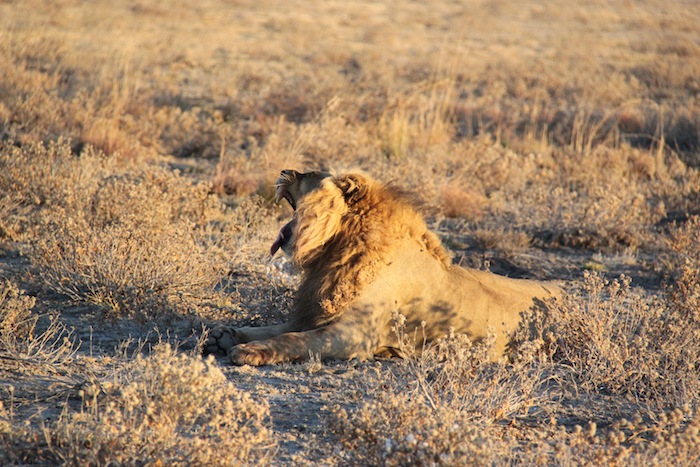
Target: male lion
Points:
(365, 253)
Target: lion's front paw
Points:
(221, 340)
(254, 354)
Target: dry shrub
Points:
(333, 137)
(618, 341)
(460, 201)
(13, 217)
(257, 169)
(329, 139)
(456, 373)
(398, 429)
(683, 268)
(164, 409)
(28, 75)
(132, 246)
(500, 238)
(675, 438)
(15, 311)
(20, 345)
(241, 177)
(134, 241)
(602, 200)
(128, 242)
(54, 90)
(604, 335)
(243, 237)
(40, 175)
(672, 438)
(124, 268)
(189, 133)
(52, 96)
(438, 405)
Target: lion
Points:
(366, 255)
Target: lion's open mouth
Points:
(283, 193)
(288, 197)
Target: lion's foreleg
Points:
(222, 339)
(339, 340)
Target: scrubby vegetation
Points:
(139, 144)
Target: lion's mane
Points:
(343, 233)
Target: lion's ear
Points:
(318, 219)
(353, 186)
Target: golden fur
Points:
(365, 252)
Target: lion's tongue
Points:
(277, 244)
(282, 238)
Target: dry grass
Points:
(166, 408)
(450, 406)
(24, 348)
(617, 341)
(139, 144)
(435, 405)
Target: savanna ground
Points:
(139, 144)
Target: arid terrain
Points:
(139, 145)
